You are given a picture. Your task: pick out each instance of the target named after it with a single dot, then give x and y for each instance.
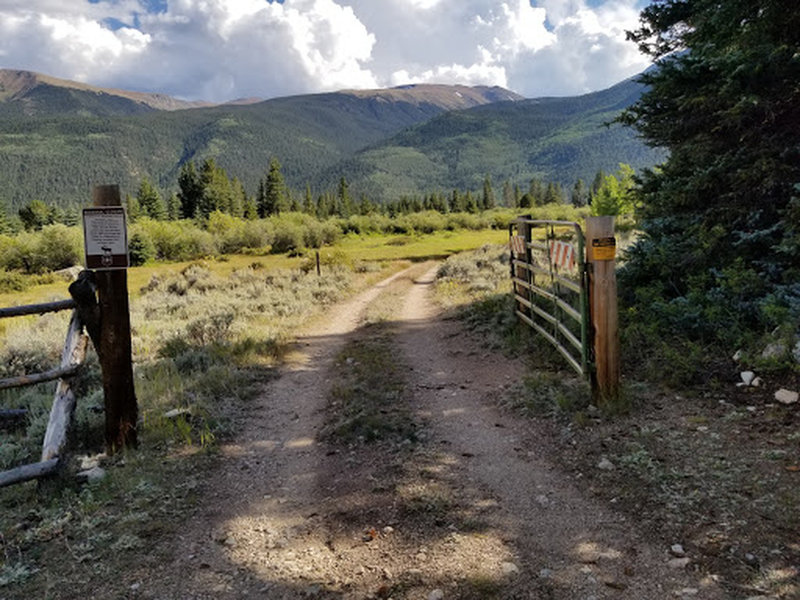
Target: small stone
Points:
(135, 586)
(545, 574)
(757, 382)
(688, 592)
(796, 352)
(677, 550)
(737, 356)
(176, 412)
(387, 530)
(93, 474)
(774, 350)
(750, 559)
(605, 465)
(679, 563)
(747, 377)
(785, 396)
(436, 595)
(509, 568)
(542, 500)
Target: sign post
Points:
(106, 244)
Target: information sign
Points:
(105, 236)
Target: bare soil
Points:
(477, 505)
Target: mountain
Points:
(25, 93)
(56, 157)
(56, 141)
(555, 139)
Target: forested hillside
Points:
(387, 143)
(557, 139)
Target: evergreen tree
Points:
(487, 199)
(308, 201)
(517, 196)
(344, 207)
(35, 215)
(615, 196)
(721, 217)
(150, 202)
(217, 193)
(5, 223)
(508, 194)
(173, 207)
(580, 195)
(249, 208)
(238, 197)
(470, 204)
(272, 199)
(132, 208)
(190, 190)
(536, 192)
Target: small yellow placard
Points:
(604, 248)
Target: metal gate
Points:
(550, 281)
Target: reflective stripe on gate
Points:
(562, 254)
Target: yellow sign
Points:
(604, 248)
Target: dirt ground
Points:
(475, 506)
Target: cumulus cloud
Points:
(222, 49)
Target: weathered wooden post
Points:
(115, 343)
(601, 247)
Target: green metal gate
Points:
(550, 285)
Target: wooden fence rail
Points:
(72, 357)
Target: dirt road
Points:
(473, 509)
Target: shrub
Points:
(177, 240)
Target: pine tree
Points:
(173, 207)
(721, 216)
(132, 208)
(272, 199)
(579, 195)
(487, 199)
(190, 190)
(150, 202)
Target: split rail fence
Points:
(100, 313)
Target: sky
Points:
(218, 50)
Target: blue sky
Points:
(223, 49)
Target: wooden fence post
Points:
(115, 344)
(601, 249)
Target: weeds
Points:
(367, 400)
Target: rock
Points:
(747, 377)
(68, 274)
(688, 592)
(90, 462)
(785, 396)
(757, 382)
(176, 412)
(94, 474)
(509, 568)
(605, 465)
(677, 550)
(750, 559)
(388, 530)
(542, 500)
(545, 574)
(737, 356)
(436, 595)
(679, 563)
(796, 352)
(774, 350)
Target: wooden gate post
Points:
(601, 249)
(115, 344)
(525, 273)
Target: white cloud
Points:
(221, 49)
